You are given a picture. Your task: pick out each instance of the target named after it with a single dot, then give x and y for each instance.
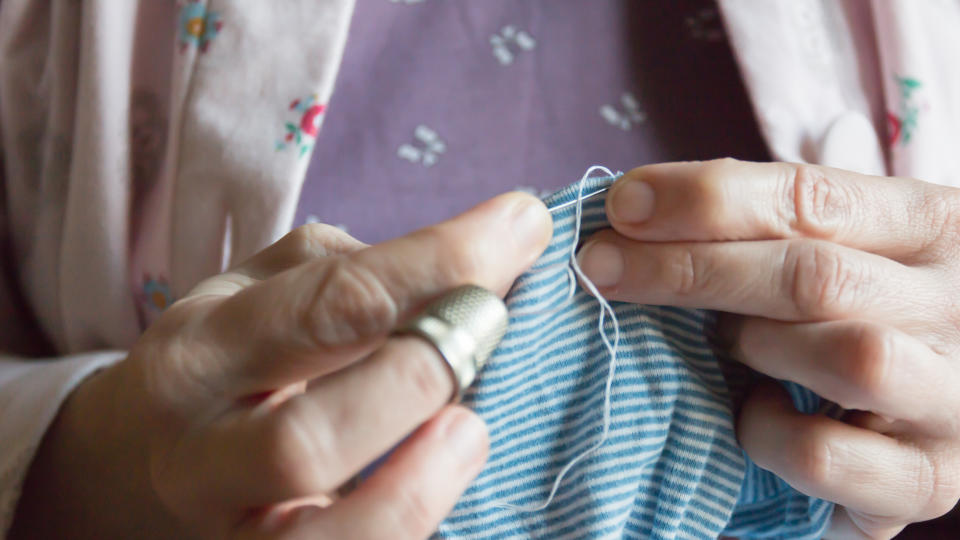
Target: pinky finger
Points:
(869, 473)
(405, 498)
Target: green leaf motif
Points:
(908, 82)
(907, 86)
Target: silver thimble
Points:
(465, 325)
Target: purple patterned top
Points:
(440, 105)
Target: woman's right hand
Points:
(263, 390)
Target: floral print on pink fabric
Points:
(302, 130)
(156, 294)
(198, 26)
(902, 123)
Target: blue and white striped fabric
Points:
(671, 467)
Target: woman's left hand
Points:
(847, 284)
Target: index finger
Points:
(727, 199)
(321, 315)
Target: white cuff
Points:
(809, 67)
(31, 392)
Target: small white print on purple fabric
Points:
(510, 35)
(625, 119)
(426, 148)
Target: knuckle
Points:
(938, 485)
(711, 181)
(942, 211)
(424, 374)
(868, 368)
(716, 170)
(297, 447)
(942, 207)
(822, 282)
(684, 273)
(352, 304)
(411, 512)
(183, 321)
(819, 204)
(306, 239)
(166, 374)
(167, 355)
(314, 240)
(814, 461)
(710, 190)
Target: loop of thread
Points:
(574, 271)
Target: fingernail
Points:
(602, 262)
(531, 223)
(631, 202)
(467, 436)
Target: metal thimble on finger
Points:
(465, 325)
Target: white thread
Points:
(594, 193)
(605, 309)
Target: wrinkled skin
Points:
(844, 283)
(245, 407)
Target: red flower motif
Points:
(895, 126)
(310, 123)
